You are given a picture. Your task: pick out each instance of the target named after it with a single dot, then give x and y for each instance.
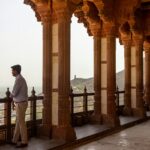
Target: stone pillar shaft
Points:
(47, 75)
(147, 73)
(127, 96)
(111, 75)
(139, 111)
(64, 71)
(111, 117)
(139, 74)
(64, 130)
(97, 78)
(147, 77)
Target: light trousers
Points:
(20, 128)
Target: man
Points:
(20, 102)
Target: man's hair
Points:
(16, 68)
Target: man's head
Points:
(16, 69)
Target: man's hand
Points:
(13, 105)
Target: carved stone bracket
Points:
(42, 9)
(93, 20)
(95, 30)
(33, 6)
(81, 18)
(125, 34)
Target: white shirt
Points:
(20, 89)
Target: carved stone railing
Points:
(82, 106)
(119, 101)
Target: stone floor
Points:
(45, 143)
(35, 144)
(88, 130)
(81, 132)
(134, 138)
(127, 119)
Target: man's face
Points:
(14, 72)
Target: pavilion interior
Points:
(105, 21)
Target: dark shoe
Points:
(12, 143)
(21, 145)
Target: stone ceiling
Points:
(95, 14)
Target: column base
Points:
(139, 112)
(127, 111)
(147, 106)
(110, 120)
(44, 130)
(66, 133)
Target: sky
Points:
(21, 43)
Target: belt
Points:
(21, 102)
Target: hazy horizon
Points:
(21, 43)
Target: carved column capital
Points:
(63, 11)
(110, 29)
(138, 39)
(126, 40)
(45, 16)
(95, 30)
(63, 15)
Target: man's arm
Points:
(16, 87)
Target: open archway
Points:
(81, 54)
(21, 43)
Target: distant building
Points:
(75, 77)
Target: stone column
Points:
(97, 76)
(64, 130)
(54, 71)
(133, 77)
(111, 118)
(127, 72)
(147, 73)
(47, 72)
(139, 111)
(95, 29)
(43, 13)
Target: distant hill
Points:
(78, 84)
